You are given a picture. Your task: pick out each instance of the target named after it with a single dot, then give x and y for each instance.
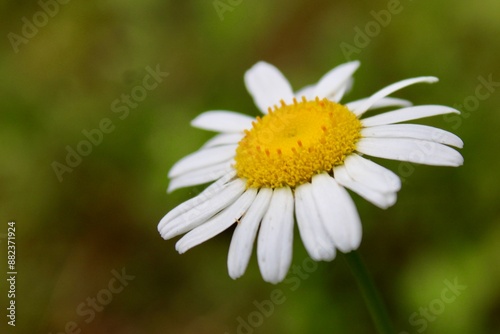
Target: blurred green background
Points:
(74, 233)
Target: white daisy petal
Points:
(337, 212)
(210, 204)
(335, 80)
(342, 91)
(199, 176)
(348, 85)
(222, 121)
(415, 131)
(318, 243)
(243, 238)
(268, 86)
(307, 92)
(371, 174)
(389, 90)
(382, 103)
(380, 199)
(412, 150)
(218, 223)
(205, 195)
(407, 114)
(224, 139)
(203, 158)
(274, 248)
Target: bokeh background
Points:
(101, 217)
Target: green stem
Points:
(372, 299)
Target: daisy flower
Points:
(295, 162)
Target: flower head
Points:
(298, 159)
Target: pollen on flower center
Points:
(294, 142)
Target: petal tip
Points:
(432, 79)
(170, 188)
(180, 248)
(355, 63)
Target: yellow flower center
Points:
(294, 142)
